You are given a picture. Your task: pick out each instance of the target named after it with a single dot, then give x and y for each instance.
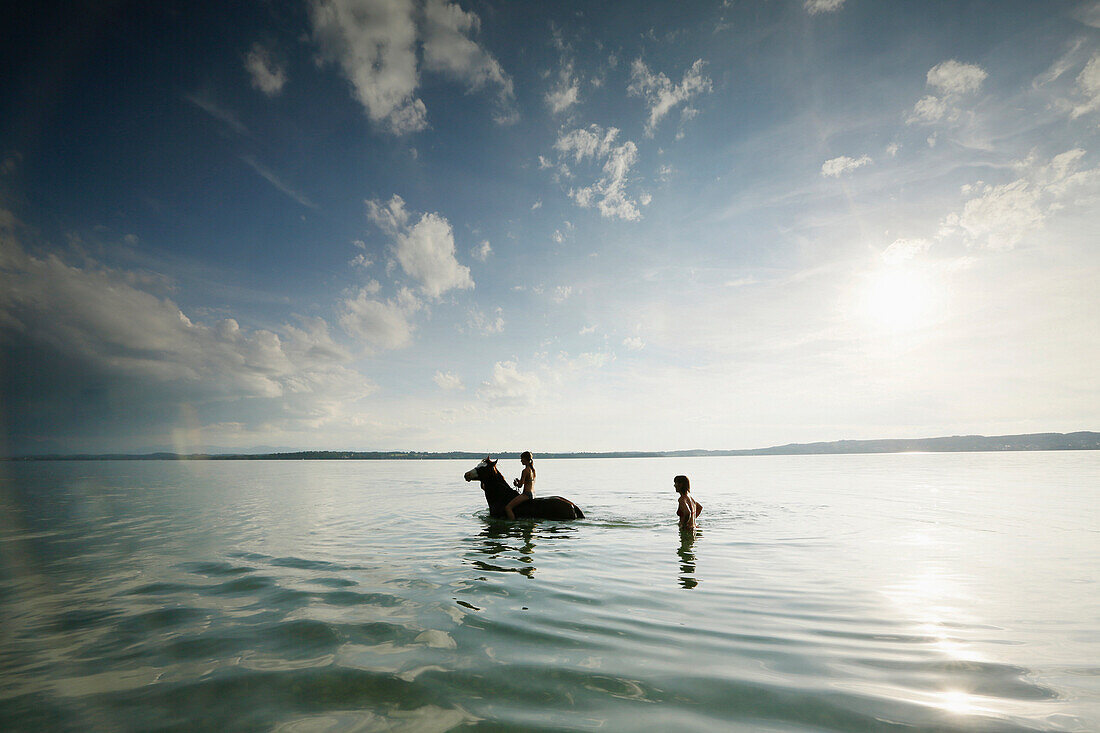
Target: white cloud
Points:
(267, 74)
(1002, 216)
(103, 333)
(813, 7)
(510, 386)
(892, 149)
(952, 79)
(538, 204)
(374, 42)
(662, 95)
(1088, 87)
(448, 381)
(634, 343)
(843, 164)
(482, 251)
(587, 330)
(955, 77)
(566, 90)
(928, 109)
(425, 250)
(561, 293)
(609, 192)
(902, 250)
(377, 323)
(449, 49)
(487, 325)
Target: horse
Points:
(498, 493)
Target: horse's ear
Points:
(492, 464)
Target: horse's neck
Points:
(497, 490)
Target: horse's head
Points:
(483, 471)
(496, 488)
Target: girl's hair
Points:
(527, 454)
(682, 484)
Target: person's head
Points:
(682, 484)
(526, 459)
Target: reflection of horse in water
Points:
(498, 493)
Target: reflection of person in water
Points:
(687, 558)
(687, 509)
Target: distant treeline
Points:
(957, 443)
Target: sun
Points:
(900, 298)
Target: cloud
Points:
(509, 386)
(1088, 87)
(928, 109)
(449, 49)
(267, 74)
(486, 325)
(383, 324)
(814, 7)
(902, 250)
(952, 79)
(836, 166)
(566, 91)
(482, 251)
(634, 343)
(1001, 216)
(662, 95)
(448, 381)
(277, 182)
(425, 250)
(107, 355)
(561, 293)
(609, 192)
(207, 105)
(374, 42)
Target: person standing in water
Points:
(525, 483)
(687, 509)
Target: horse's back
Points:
(549, 507)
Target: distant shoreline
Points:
(1084, 440)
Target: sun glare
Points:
(900, 298)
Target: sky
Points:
(547, 226)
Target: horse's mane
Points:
(497, 489)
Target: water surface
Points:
(946, 592)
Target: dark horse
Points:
(498, 493)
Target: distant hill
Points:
(954, 444)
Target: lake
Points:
(937, 592)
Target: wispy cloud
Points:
(814, 7)
(448, 381)
(843, 164)
(610, 193)
(265, 173)
(662, 96)
(210, 107)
